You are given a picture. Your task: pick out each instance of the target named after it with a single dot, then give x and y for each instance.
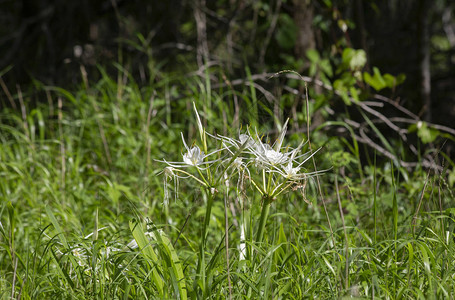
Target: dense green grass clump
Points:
(97, 201)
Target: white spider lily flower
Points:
(245, 138)
(266, 157)
(194, 156)
(169, 172)
(275, 157)
(238, 163)
(292, 173)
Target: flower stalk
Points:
(263, 218)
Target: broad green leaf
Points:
(340, 87)
(425, 133)
(313, 55)
(376, 81)
(358, 60)
(354, 93)
(57, 227)
(173, 262)
(353, 59)
(326, 67)
(145, 247)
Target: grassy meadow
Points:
(194, 187)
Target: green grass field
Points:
(101, 197)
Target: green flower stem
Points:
(263, 220)
(264, 182)
(276, 194)
(208, 212)
(205, 226)
(203, 181)
(269, 184)
(257, 187)
(203, 178)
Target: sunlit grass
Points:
(84, 212)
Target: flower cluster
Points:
(271, 169)
(281, 167)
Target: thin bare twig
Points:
(363, 138)
(400, 131)
(394, 103)
(7, 93)
(364, 105)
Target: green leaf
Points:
(280, 253)
(57, 227)
(354, 59)
(147, 250)
(354, 93)
(340, 87)
(376, 81)
(286, 34)
(401, 78)
(172, 261)
(452, 177)
(425, 133)
(390, 80)
(313, 55)
(358, 60)
(326, 67)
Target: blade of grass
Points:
(375, 204)
(173, 262)
(346, 241)
(145, 247)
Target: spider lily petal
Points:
(279, 142)
(194, 156)
(199, 123)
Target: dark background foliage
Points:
(50, 40)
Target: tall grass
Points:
(84, 212)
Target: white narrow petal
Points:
(306, 159)
(184, 143)
(280, 139)
(199, 123)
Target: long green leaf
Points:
(174, 261)
(145, 247)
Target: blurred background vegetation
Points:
(403, 50)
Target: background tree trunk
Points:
(423, 32)
(303, 18)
